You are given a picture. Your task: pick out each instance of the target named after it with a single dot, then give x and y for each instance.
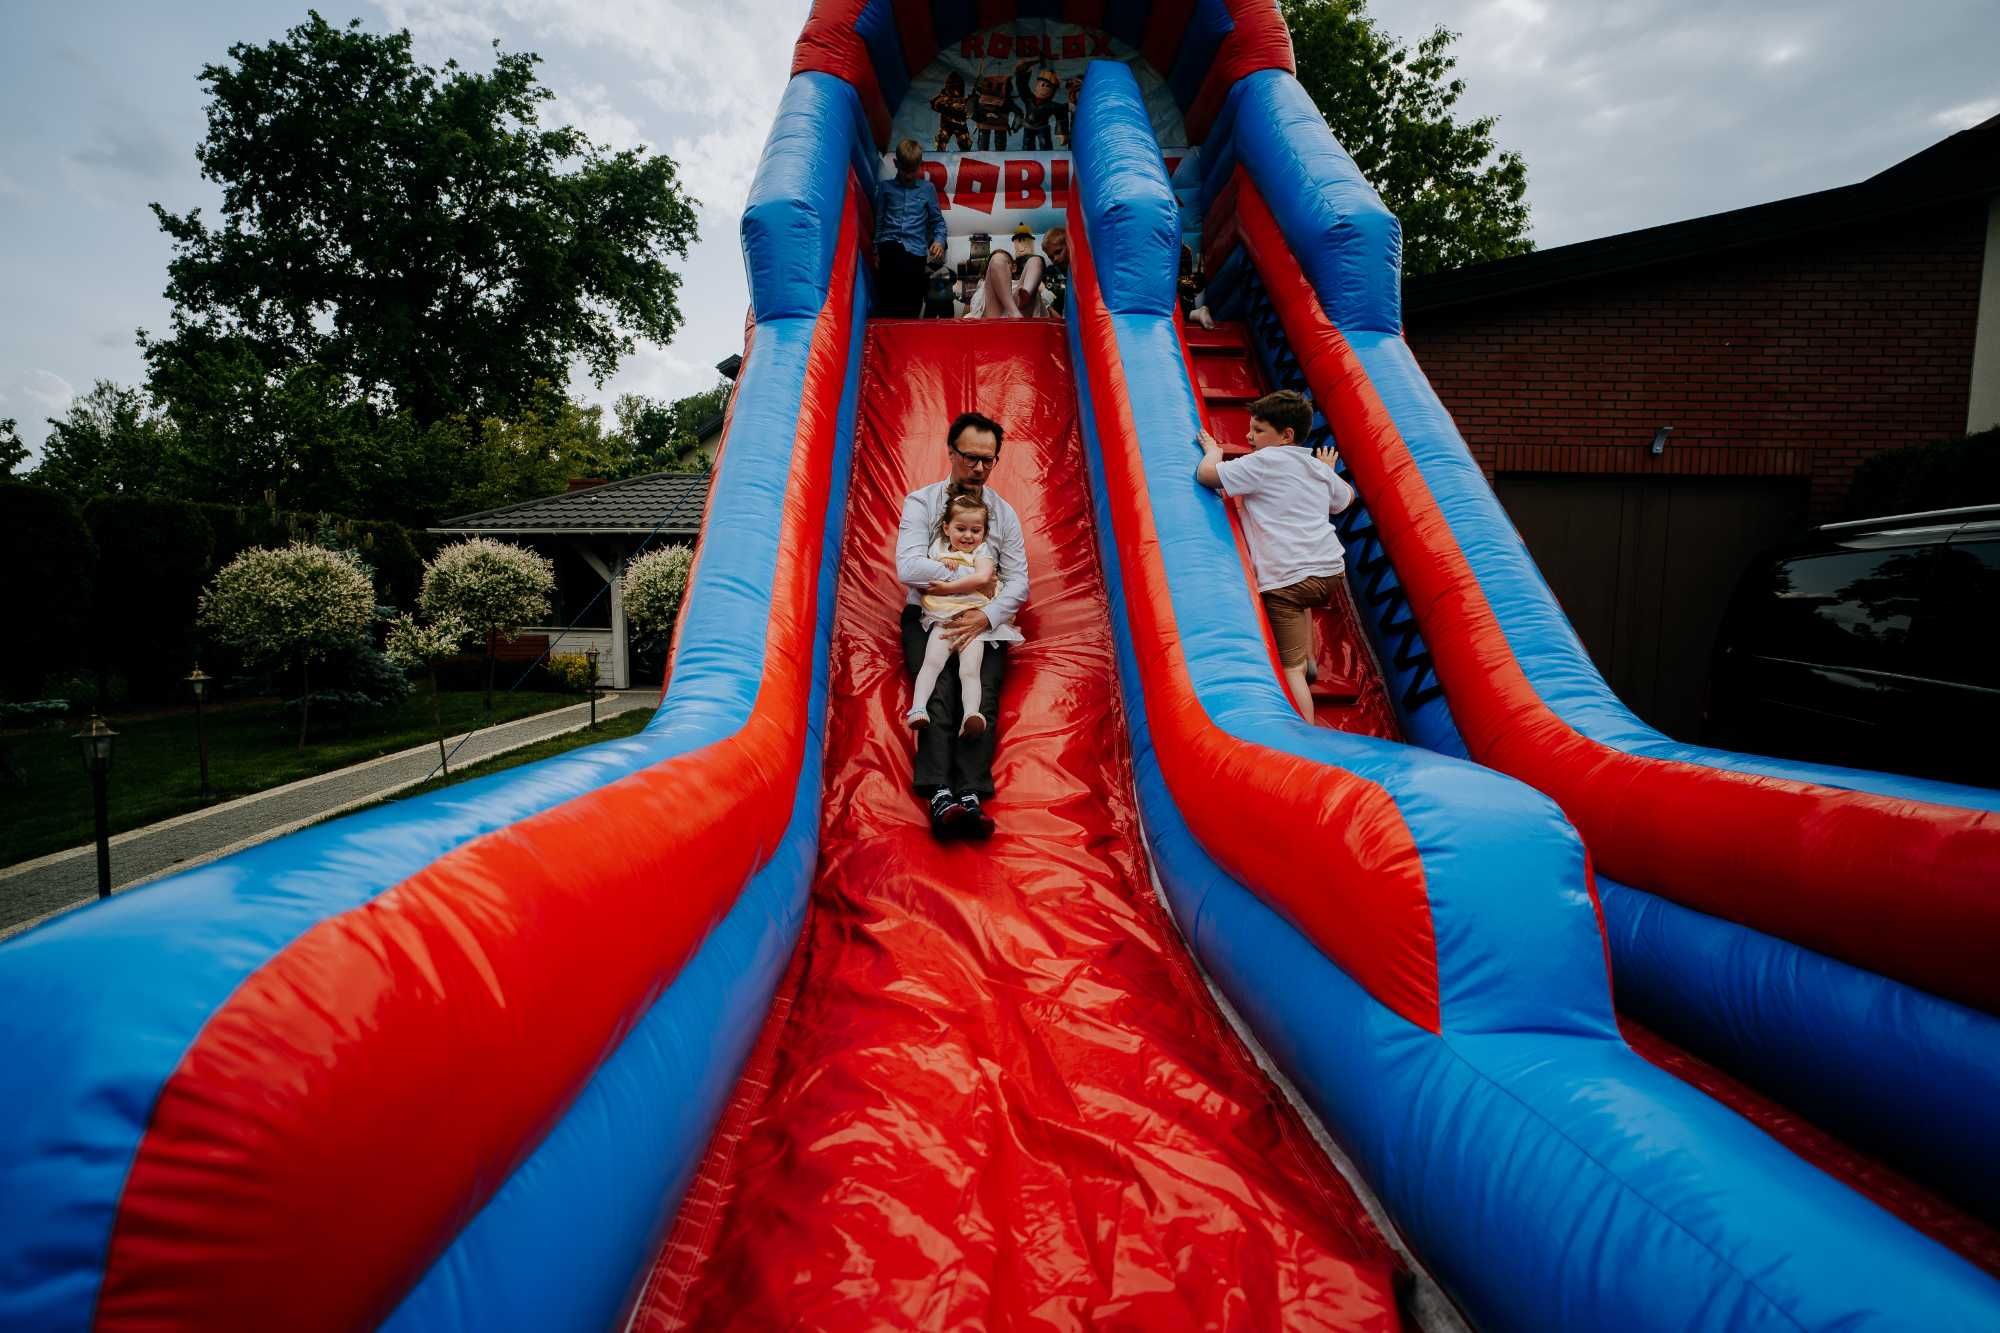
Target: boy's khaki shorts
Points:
(1289, 609)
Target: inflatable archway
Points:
(461, 1062)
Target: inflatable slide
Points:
(1475, 1004)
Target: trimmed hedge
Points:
(1946, 475)
(50, 562)
(147, 560)
(153, 555)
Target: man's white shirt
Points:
(915, 569)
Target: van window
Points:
(1844, 608)
(1961, 611)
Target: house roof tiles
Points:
(670, 503)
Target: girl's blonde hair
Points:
(963, 502)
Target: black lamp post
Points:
(198, 681)
(590, 656)
(96, 741)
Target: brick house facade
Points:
(1795, 359)
(1782, 344)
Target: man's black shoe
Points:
(973, 822)
(947, 814)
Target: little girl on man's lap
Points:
(960, 543)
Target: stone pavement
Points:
(35, 890)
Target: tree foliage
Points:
(494, 587)
(13, 452)
(1460, 197)
(296, 605)
(111, 441)
(654, 585)
(665, 436)
(289, 603)
(413, 234)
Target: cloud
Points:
(12, 191)
(1966, 116)
(1632, 113)
(131, 148)
(50, 392)
(587, 106)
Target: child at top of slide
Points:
(960, 543)
(1288, 494)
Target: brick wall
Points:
(1797, 360)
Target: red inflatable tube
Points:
(1260, 40)
(436, 1033)
(1259, 812)
(829, 44)
(1826, 868)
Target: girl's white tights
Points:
(936, 651)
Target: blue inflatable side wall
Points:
(97, 1007)
(1909, 1063)
(1550, 1176)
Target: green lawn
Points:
(628, 723)
(251, 746)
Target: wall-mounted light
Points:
(1659, 445)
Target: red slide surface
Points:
(993, 1092)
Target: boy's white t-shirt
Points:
(1287, 495)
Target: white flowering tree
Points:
(495, 588)
(655, 583)
(418, 645)
(290, 605)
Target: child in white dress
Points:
(960, 543)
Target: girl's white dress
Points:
(939, 607)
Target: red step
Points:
(1230, 336)
(1232, 378)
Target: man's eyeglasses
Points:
(976, 460)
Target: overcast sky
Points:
(1629, 112)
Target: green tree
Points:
(413, 233)
(300, 604)
(536, 453)
(111, 441)
(493, 588)
(419, 645)
(660, 436)
(1460, 197)
(13, 452)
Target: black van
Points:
(1874, 644)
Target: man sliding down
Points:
(954, 764)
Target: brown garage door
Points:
(1644, 567)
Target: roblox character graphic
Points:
(1044, 120)
(952, 109)
(994, 111)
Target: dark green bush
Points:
(1945, 475)
(50, 562)
(154, 555)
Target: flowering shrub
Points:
(573, 670)
(415, 644)
(295, 604)
(494, 587)
(654, 586)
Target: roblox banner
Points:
(994, 193)
(989, 195)
(1014, 87)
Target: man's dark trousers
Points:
(944, 760)
(901, 281)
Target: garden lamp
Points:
(590, 656)
(96, 740)
(198, 681)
